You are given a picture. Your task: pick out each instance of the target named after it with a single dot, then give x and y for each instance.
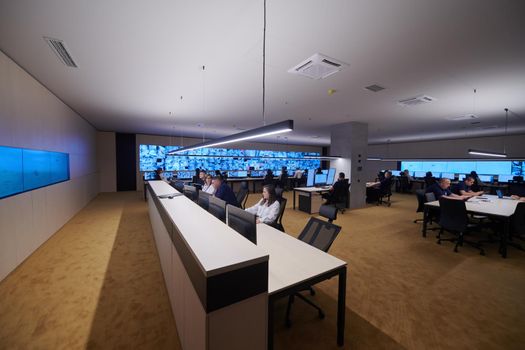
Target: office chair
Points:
(203, 201)
(339, 198)
(279, 192)
(319, 234)
(242, 197)
(178, 185)
(278, 224)
(403, 184)
(421, 199)
(385, 193)
(454, 218)
(517, 227)
(430, 197)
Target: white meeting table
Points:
(293, 267)
(489, 205)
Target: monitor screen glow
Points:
(320, 179)
(331, 176)
(311, 177)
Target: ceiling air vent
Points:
(416, 101)
(59, 48)
(463, 117)
(318, 67)
(374, 88)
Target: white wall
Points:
(32, 117)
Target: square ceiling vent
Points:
(416, 101)
(318, 66)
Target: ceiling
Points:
(140, 64)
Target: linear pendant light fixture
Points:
(490, 153)
(272, 129)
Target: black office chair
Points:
(430, 197)
(341, 199)
(421, 199)
(454, 218)
(404, 186)
(278, 224)
(320, 234)
(517, 227)
(385, 194)
(279, 192)
(242, 197)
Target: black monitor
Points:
(204, 200)
(217, 207)
(191, 192)
(243, 222)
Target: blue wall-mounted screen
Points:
(459, 167)
(152, 157)
(23, 169)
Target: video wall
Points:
(152, 157)
(24, 169)
(465, 167)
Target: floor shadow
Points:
(133, 309)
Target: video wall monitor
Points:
(257, 173)
(485, 178)
(396, 172)
(320, 179)
(310, 178)
(217, 208)
(450, 176)
(291, 173)
(240, 173)
(462, 177)
(243, 222)
(185, 175)
(505, 178)
(420, 173)
(277, 173)
(331, 176)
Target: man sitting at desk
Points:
(442, 189)
(463, 188)
(223, 191)
(267, 209)
(337, 190)
(377, 189)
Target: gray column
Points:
(350, 141)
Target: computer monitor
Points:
(277, 173)
(191, 192)
(185, 174)
(320, 179)
(243, 222)
(310, 178)
(505, 178)
(462, 177)
(485, 178)
(324, 171)
(217, 208)
(257, 173)
(396, 172)
(331, 176)
(149, 175)
(204, 200)
(419, 173)
(450, 176)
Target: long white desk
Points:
(295, 265)
(502, 208)
(314, 199)
(217, 281)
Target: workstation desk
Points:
(492, 206)
(310, 198)
(222, 288)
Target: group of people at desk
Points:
(266, 210)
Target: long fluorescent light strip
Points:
(226, 140)
(374, 158)
(487, 153)
(322, 157)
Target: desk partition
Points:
(217, 281)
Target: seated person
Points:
(223, 191)
(518, 198)
(476, 186)
(201, 179)
(337, 190)
(159, 175)
(268, 178)
(429, 179)
(381, 188)
(463, 188)
(208, 185)
(267, 209)
(442, 189)
(283, 178)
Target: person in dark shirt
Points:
(223, 191)
(337, 190)
(283, 178)
(442, 189)
(381, 188)
(429, 179)
(268, 178)
(463, 188)
(476, 186)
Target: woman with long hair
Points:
(267, 209)
(208, 187)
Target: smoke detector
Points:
(60, 49)
(318, 66)
(463, 117)
(416, 101)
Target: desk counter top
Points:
(492, 205)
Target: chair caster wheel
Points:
(482, 253)
(438, 242)
(312, 292)
(321, 315)
(388, 205)
(288, 324)
(455, 250)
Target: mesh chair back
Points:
(517, 189)
(279, 192)
(518, 219)
(319, 233)
(430, 197)
(203, 200)
(179, 186)
(328, 212)
(241, 196)
(282, 207)
(421, 199)
(403, 182)
(453, 214)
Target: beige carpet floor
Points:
(97, 284)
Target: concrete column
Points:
(350, 141)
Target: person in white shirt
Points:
(208, 187)
(267, 209)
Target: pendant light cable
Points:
(264, 65)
